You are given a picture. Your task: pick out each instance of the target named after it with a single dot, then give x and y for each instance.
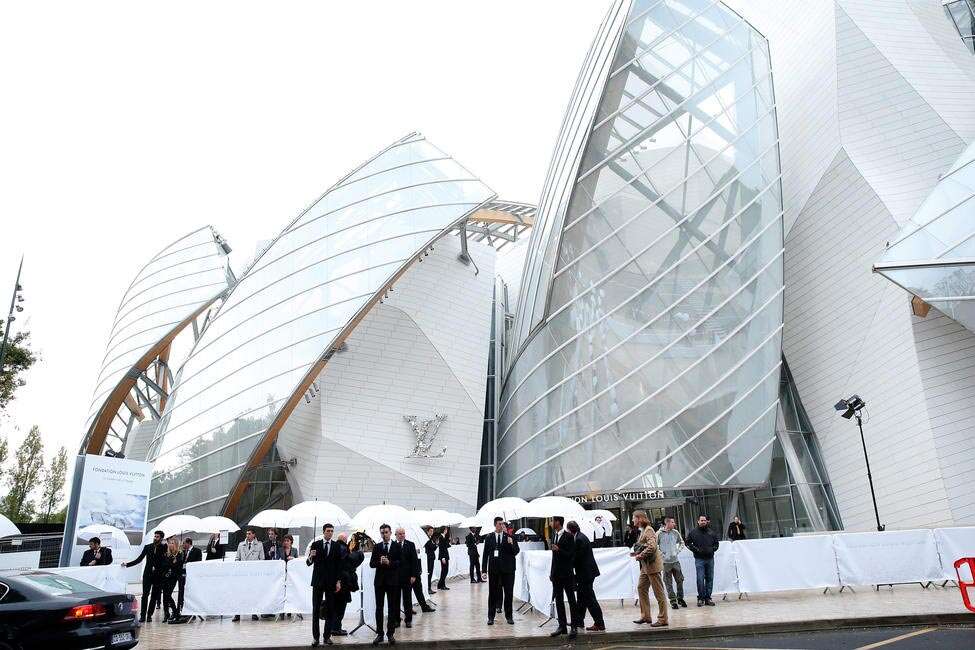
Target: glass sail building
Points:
(648, 333)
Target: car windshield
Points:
(57, 585)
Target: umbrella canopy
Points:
(215, 524)
(316, 514)
(525, 531)
(370, 518)
(110, 536)
(505, 507)
(436, 518)
(554, 507)
(7, 527)
(270, 518)
(176, 525)
(605, 514)
(474, 522)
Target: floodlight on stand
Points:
(849, 408)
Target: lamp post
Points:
(14, 299)
(851, 408)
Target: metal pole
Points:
(10, 314)
(873, 495)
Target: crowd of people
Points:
(335, 560)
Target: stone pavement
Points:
(460, 620)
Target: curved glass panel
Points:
(179, 281)
(656, 362)
(286, 311)
(934, 255)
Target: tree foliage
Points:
(53, 489)
(17, 359)
(22, 478)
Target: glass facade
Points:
(934, 255)
(177, 284)
(648, 341)
(294, 304)
(961, 13)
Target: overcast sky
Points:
(124, 125)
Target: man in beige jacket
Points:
(651, 567)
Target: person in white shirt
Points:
(249, 550)
(603, 533)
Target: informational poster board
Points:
(20, 560)
(106, 491)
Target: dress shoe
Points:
(444, 588)
(378, 639)
(682, 602)
(490, 621)
(427, 609)
(390, 639)
(709, 602)
(142, 619)
(315, 643)
(254, 617)
(149, 620)
(573, 634)
(700, 603)
(559, 632)
(596, 628)
(659, 624)
(641, 621)
(329, 642)
(235, 619)
(340, 633)
(509, 621)
(409, 624)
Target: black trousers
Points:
(155, 592)
(586, 600)
(322, 598)
(340, 605)
(182, 591)
(501, 587)
(444, 567)
(430, 561)
(418, 594)
(406, 602)
(169, 605)
(391, 594)
(146, 593)
(562, 587)
(475, 568)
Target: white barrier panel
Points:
(890, 557)
(297, 587)
(618, 574)
(537, 566)
(725, 571)
(20, 560)
(229, 588)
(954, 544)
(780, 564)
(111, 577)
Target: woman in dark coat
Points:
(352, 556)
(169, 573)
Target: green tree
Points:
(53, 490)
(16, 361)
(22, 478)
(3, 455)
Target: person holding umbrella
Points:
(472, 555)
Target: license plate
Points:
(121, 637)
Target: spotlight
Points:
(850, 407)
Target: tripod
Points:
(362, 612)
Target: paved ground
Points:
(894, 638)
(460, 622)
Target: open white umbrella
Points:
(109, 536)
(506, 507)
(370, 518)
(474, 522)
(7, 527)
(176, 525)
(270, 518)
(554, 507)
(605, 514)
(216, 524)
(436, 518)
(316, 514)
(525, 531)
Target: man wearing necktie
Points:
(498, 562)
(327, 557)
(386, 559)
(249, 550)
(562, 577)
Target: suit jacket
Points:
(250, 551)
(409, 566)
(388, 574)
(505, 562)
(171, 567)
(471, 541)
(431, 548)
(584, 562)
(327, 568)
(193, 555)
(444, 547)
(104, 557)
(562, 559)
(153, 554)
(650, 558)
(279, 551)
(216, 551)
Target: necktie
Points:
(499, 540)
(326, 549)
(386, 547)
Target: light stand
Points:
(851, 408)
(362, 612)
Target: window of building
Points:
(962, 15)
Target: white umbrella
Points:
(505, 507)
(554, 507)
(176, 525)
(271, 518)
(109, 536)
(316, 514)
(474, 522)
(605, 514)
(436, 518)
(216, 524)
(370, 518)
(525, 531)
(7, 527)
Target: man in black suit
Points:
(562, 577)
(443, 546)
(586, 570)
(498, 562)
(472, 556)
(327, 556)
(96, 555)
(272, 547)
(386, 559)
(153, 553)
(190, 554)
(431, 550)
(409, 574)
(215, 550)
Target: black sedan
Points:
(46, 610)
